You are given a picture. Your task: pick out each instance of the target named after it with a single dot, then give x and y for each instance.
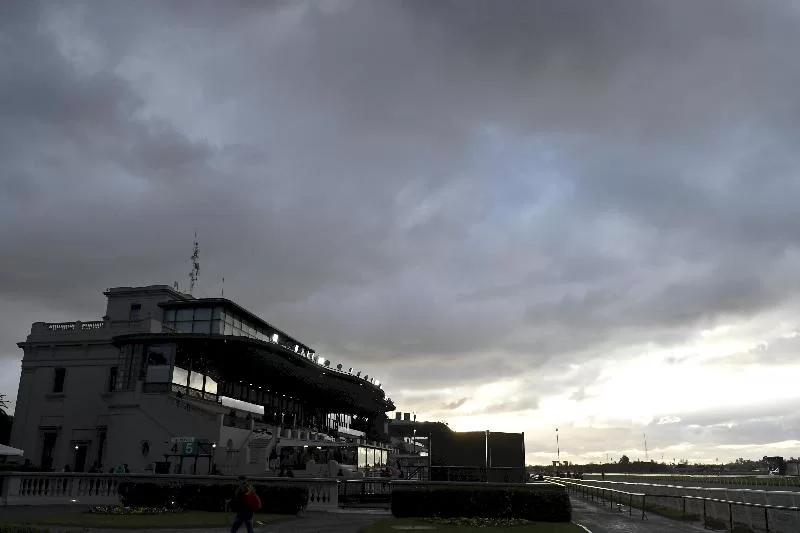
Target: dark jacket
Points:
(239, 504)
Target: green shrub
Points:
(282, 499)
(147, 495)
(526, 503)
(275, 499)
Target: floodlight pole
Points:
(558, 449)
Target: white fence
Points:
(37, 488)
(761, 510)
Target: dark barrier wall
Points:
(463, 457)
(506, 449)
(506, 457)
(459, 449)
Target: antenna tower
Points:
(195, 264)
(646, 456)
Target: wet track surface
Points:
(602, 519)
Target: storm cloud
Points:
(445, 194)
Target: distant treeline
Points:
(740, 466)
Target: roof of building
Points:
(148, 288)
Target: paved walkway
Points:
(596, 518)
(601, 519)
(342, 521)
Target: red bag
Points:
(253, 501)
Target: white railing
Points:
(778, 510)
(94, 327)
(44, 488)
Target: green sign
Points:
(191, 446)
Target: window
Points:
(184, 315)
(58, 382)
(169, 315)
(159, 359)
(196, 381)
(157, 356)
(135, 310)
(201, 326)
(202, 313)
(112, 378)
(211, 385)
(180, 376)
(48, 447)
(101, 444)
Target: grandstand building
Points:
(171, 383)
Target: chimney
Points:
(407, 417)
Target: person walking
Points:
(245, 503)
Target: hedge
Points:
(274, 499)
(551, 505)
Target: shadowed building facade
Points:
(162, 366)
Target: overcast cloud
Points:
(518, 215)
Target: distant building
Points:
(169, 382)
(435, 452)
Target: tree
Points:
(5, 421)
(624, 460)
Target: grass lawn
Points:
(170, 520)
(397, 525)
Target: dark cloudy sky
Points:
(518, 215)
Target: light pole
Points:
(558, 450)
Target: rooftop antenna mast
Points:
(195, 264)
(646, 456)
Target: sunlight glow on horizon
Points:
(632, 393)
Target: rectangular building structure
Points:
(159, 366)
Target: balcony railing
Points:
(74, 326)
(101, 327)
